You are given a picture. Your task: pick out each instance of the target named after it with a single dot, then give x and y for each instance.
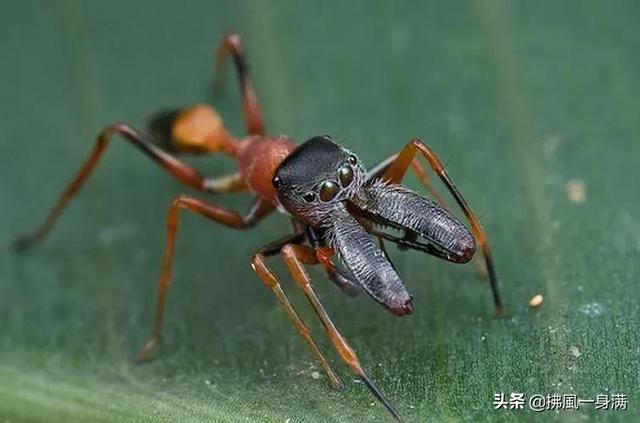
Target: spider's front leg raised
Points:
(188, 128)
(232, 45)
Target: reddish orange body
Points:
(200, 129)
(258, 158)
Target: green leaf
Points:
(519, 98)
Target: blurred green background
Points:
(519, 98)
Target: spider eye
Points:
(276, 182)
(328, 190)
(309, 197)
(353, 160)
(345, 174)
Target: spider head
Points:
(318, 183)
(316, 178)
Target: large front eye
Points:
(345, 174)
(328, 190)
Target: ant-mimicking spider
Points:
(337, 207)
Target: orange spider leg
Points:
(232, 44)
(426, 181)
(178, 169)
(295, 256)
(229, 218)
(394, 174)
(271, 281)
(323, 256)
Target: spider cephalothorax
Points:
(315, 180)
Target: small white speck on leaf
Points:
(576, 191)
(574, 351)
(315, 375)
(536, 301)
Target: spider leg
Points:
(379, 170)
(340, 277)
(397, 169)
(231, 44)
(175, 167)
(271, 281)
(426, 181)
(229, 218)
(294, 256)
